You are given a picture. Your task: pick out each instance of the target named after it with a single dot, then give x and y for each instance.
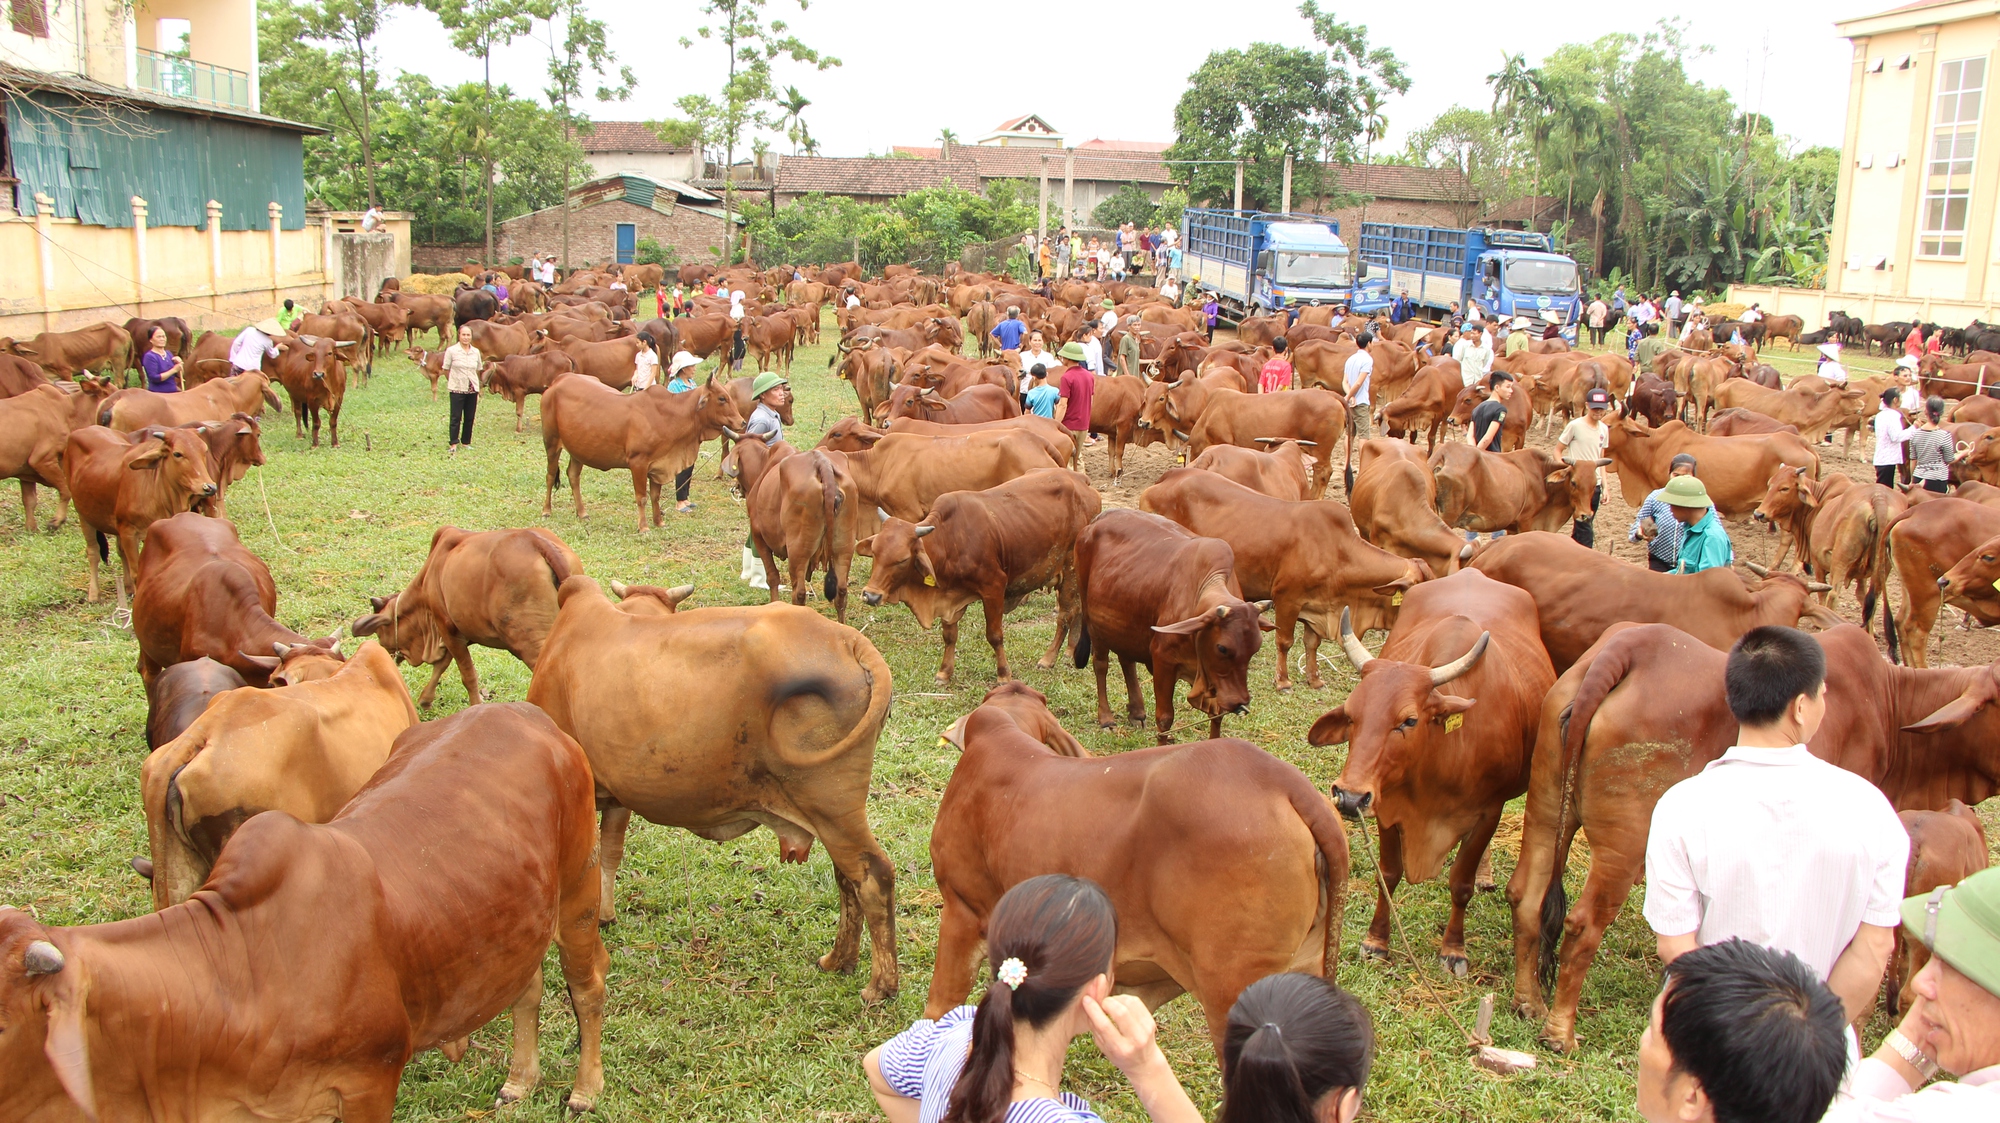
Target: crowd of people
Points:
(1130, 249)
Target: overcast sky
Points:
(912, 68)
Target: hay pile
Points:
(435, 284)
(1723, 309)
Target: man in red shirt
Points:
(1277, 373)
(1075, 388)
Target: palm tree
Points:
(794, 104)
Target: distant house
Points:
(1028, 131)
(140, 178)
(632, 146)
(1403, 194)
(871, 179)
(610, 215)
(1094, 174)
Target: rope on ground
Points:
(268, 520)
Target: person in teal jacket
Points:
(1704, 544)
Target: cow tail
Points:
(1604, 675)
(830, 500)
(1347, 472)
(1878, 587)
(1330, 837)
(559, 566)
(1878, 549)
(866, 729)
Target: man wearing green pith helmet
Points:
(771, 391)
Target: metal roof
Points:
(15, 78)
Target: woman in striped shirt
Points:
(1931, 448)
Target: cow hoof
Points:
(578, 1105)
(1107, 725)
(510, 1094)
(941, 678)
(1372, 950)
(1531, 1011)
(1284, 688)
(872, 994)
(834, 966)
(1455, 964)
(1486, 885)
(1560, 1043)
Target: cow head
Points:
(715, 412)
(1390, 719)
(44, 1049)
(1788, 492)
(179, 457)
(1979, 458)
(1973, 577)
(407, 628)
(851, 434)
(904, 571)
(1219, 644)
(1572, 493)
(1028, 709)
(649, 600)
(294, 663)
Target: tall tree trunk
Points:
(367, 153)
(568, 139)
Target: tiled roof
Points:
(917, 150)
(1401, 181)
(1126, 145)
(871, 175)
(1110, 165)
(624, 136)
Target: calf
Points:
(1159, 597)
(494, 588)
(652, 434)
(1654, 399)
(430, 364)
(805, 512)
(194, 1012)
(202, 594)
(995, 547)
(1305, 556)
(1838, 525)
(1395, 505)
(785, 740)
(315, 379)
(34, 429)
(1283, 472)
(1946, 847)
(1434, 768)
(178, 695)
(1224, 864)
(518, 376)
(123, 483)
(303, 749)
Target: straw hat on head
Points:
(1830, 350)
(269, 325)
(681, 361)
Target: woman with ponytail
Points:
(1051, 941)
(1297, 1050)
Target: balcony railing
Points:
(197, 81)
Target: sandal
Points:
(685, 508)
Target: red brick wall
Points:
(593, 234)
(1406, 211)
(445, 258)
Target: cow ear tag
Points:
(1996, 584)
(1452, 721)
(930, 579)
(1396, 600)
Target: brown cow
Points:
(315, 379)
(1395, 505)
(1283, 472)
(1426, 403)
(1715, 605)
(768, 338)
(139, 330)
(179, 694)
(497, 341)
(1736, 470)
(904, 473)
(805, 513)
(1207, 903)
(1515, 491)
(1514, 423)
(18, 376)
(181, 1013)
(1926, 543)
(1435, 769)
(494, 588)
(1230, 418)
(123, 483)
(1305, 556)
(518, 376)
(971, 405)
(1611, 742)
(389, 324)
(201, 593)
(246, 393)
(424, 311)
(1946, 847)
(430, 364)
(785, 740)
(850, 434)
(34, 428)
(1159, 597)
(304, 749)
(353, 340)
(103, 347)
(1743, 422)
(1838, 525)
(652, 434)
(1811, 414)
(995, 547)
(1115, 403)
(612, 362)
(235, 446)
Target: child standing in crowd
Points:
(678, 382)
(645, 365)
(1277, 372)
(1041, 396)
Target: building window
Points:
(1944, 223)
(1961, 83)
(1952, 150)
(31, 17)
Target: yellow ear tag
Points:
(930, 579)
(1996, 584)
(944, 743)
(1452, 722)
(1396, 600)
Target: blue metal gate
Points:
(628, 242)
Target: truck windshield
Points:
(1318, 270)
(1541, 276)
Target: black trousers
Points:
(463, 407)
(1939, 486)
(1584, 531)
(1656, 565)
(1885, 474)
(683, 479)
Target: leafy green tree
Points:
(1173, 204)
(795, 105)
(747, 94)
(1469, 140)
(1127, 204)
(582, 51)
(476, 27)
(352, 24)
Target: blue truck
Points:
(1256, 261)
(1511, 273)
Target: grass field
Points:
(717, 1011)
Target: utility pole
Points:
(1238, 204)
(1042, 207)
(1069, 186)
(1285, 194)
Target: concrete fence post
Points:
(46, 243)
(277, 213)
(138, 251)
(215, 251)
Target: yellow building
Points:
(1920, 173)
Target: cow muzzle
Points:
(873, 598)
(1353, 805)
(1944, 583)
(319, 375)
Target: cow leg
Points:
(1920, 616)
(1100, 663)
(1166, 682)
(520, 412)
(93, 542)
(298, 419)
(640, 485)
(1135, 699)
(1526, 890)
(847, 929)
(429, 694)
(1464, 871)
(554, 450)
(653, 489)
(1311, 641)
(580, 951)
(611, 855)
(524, 1071)
(1288, 627)
(28, 504)
(959, 937)
(467, 673)
(840, 565)
(333, 426)
(1375, 945)
(128, 563)
(576, 490)
(995, 609)
(1612, 874)
(1067, 605)
(852, 847)
(948, 663)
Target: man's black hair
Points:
(1758, 1029)
(1494, 379)
(1768, 668)
(1364, 339)
(1278, 345)
(1039, 370)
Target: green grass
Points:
(717, 1011)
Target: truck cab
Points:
(1301, 263)
(1531, 283)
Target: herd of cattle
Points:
(1527, 665)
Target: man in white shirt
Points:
(1036, 353)
(248, 350)
(371, 221)
(1093, 349)
(1774, 845)
(1359, 376)
(1108, 322)
(1752, 314)
(1673, 310)
(1474, 355)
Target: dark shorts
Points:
(1939, 486)
(1656, 565)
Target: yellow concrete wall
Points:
(96, 275)
(1812, 306)
(224, 31)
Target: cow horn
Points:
(679, 593)
(1268, 440)
(43, 958)
(618, 589)
(377, 602)
(1356, 654)
(730, 433)
(923, 530)
(280, 649)
(1756, 569)
(1818, 587)
(1462, 664)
